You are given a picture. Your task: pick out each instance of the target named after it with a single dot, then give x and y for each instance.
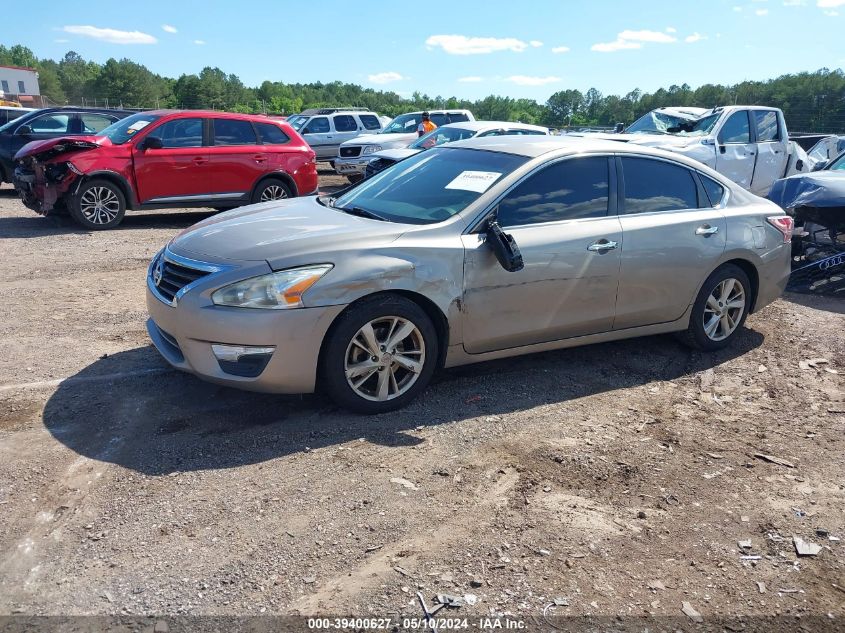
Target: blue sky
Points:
(467, 48)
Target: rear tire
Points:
(366, 366)
(98, 205)
(720, 309)
(271, 190)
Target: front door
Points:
(318, 134)
(673, 238)
(771, 151)
(570, 244)
(178, 172)
(735, 153)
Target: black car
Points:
(50, 123)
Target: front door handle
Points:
(602, 245)
(260, 158)
(706, 230)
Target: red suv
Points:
(164, 159)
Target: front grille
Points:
(350, 152)
(174, 277)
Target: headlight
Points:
(276, 291)
(369, 149)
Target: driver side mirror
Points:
(151, 142)
(22, 130)
(619, 128)
(504, 247)
(819, 165)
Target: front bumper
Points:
(352, 166)
(37, 192)
(184, 336)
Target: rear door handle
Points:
(706, 230)
(602, 245)
(199, 160)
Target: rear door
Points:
(771, 150)
(237, 161)
(178, 172)
(672, 238)
(570, 245)
(346, 127)
(735, 149)
(319, 135)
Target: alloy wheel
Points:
(99, 205)
(724, 309)
(385, 358)
(273, 192)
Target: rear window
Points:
(655, 185)
(767, 125)
(369, 121)
(233, 132)
(272, 134)
(715, 191)
(345, 123)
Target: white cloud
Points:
(831, 13)
(169, 29)
(671, 29)
(612, 47)
(761, 12)
(695, 37)
(560, 49)
(794, 3)
(524, 80)
(113, 36)
(61, 41)
(536, 43)
(628, 40)
(738, 9)
(199, 42)
(471, 80)
(463, 45)
(384, 78)
(830, 4)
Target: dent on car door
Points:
(771, 150)
(570, 247)
(673, 237)
(735, 151)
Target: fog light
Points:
(242, 360)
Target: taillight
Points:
(784, 224)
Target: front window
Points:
(51, 124)
(403, 124)
(656, 123)
(120, 132)
(702, 127)
(429, 187)
(440, 136)
(838, 164)
(296, 122)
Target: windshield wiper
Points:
(361, 213)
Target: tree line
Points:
(811, 101)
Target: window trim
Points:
(477, 225)
(696, 173)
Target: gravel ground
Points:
(621, 477)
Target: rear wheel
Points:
(270, 190)
(99, 205)
(720, 309)
(380, 355)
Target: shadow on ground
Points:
(169, 421)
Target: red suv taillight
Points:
(782, 223)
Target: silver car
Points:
(479, 249)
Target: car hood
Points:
(396, 154)
(405, 138)
(662, 140)
(51, 147)
(282, 232)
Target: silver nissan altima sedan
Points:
(476, 250)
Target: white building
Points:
(20, 84)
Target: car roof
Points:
(218, 114)
(479, 126)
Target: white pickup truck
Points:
(748, 144)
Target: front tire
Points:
(99, 205)
(270, 190)
(380, 355)
(720, 309)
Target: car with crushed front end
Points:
(475, 250)
(163, 159)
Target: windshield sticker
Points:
(478, 181)
(138, 125)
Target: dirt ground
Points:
(618, 479)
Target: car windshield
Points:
(402, 124)
(13, 123)
(656, 122)
(429, 187)
(297, 121)
(120, 132)
(440, 136)
(702, 126)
